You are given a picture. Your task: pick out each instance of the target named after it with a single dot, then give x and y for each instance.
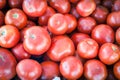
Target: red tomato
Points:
(71, 68)
(116, 70)
(16, 17)
(95, 70)
(62, 6)
(28, 69)
(109, 53)
(57, 24)
(117, 35)
(71, 21)
(15, 3)
(86, 7)
(34, 8)
(61, 47)
(7, 65)
(19, 52)
(36, 40)
(43, 20)
(50, 70)
(87, 48)
(2, 3)
(9, 36)
(103, 33)
(86, 24)
(77, 37)
(1, 18)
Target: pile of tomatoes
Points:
(59, 39)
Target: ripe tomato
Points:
(7, 65)
(71, 21)
(109, 53)
(19, 52)
(34, 8)
(95, 70)
(77, 37)
(1, 18)
(9, 36)
(61, 47)
(16, 17)
(36, 40)
(117, 35)
(71, 68)
(50, 70)
(2, 4)
(87, 48)
(57, 24)
(15, 3)
(62, 6)
(28, 69)
(43, 20)
(86, 24)
(103, 33)
(116, 70)
(86, 7)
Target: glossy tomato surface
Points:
(116, 70)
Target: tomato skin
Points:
(50, 70)
(71, 68)
(19, 52)
(71, 21)
(7, 65)
(77, 37)
(117, 35)
(116, 69)
(1, 18)
(15, 3)
(57, 24)
(2, 4)
(28, 69)
(116, 6)
(36, 40)
(109, 53)
(113, 19)
(43, 20)
(16, 17)
(62, 6)
(95, 70)
(86, 24)
(85, 7)
(102, 34)
(9, 36)
(61, 47)
(36, 8)
(88, 48)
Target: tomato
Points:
(86, 24)
(1, 18)
(117, 35)
(9, 36)
(57, 24)
(103, 33)
(116, 70)
(2, 4)
(109, 53)
(95, 70)
(61, 47)
(34, 8)
(62, 6)
(36, 40)
(113, 19)
(16, 17)
(28, 69)
(85, 7)
(43, 20)
(77, 37)
(15, 3)
(71, 68)
(19, 52)
(7, 65)
(87, 48)
(71, 21)
(100, 14)
(116, 5)
(50, 70)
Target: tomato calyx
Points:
(114, 48)
(15, 15)
(1, 57)
(32, 36)
(2, 33)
